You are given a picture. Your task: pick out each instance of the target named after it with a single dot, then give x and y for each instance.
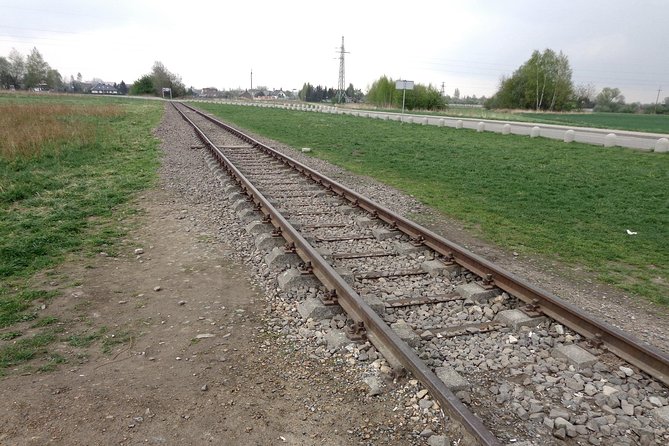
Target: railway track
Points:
(492, 350)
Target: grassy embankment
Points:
(68, 167)
(569, 202)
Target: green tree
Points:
(17, 68)
(584, 96)
(609, 100)
(159, 78)
(350, 91)
(143, 85)
(122, 88)
(163, 78)
(543, 82)
(54, 80)
(5, 78)
(382, 92)
(36, 69)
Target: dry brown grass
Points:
(28, 129)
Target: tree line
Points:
(33, 72)
(544, 83)
(154, 82)
(383, 93)
(28, 72)
(309, 93)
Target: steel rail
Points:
(646, 357)
(380, 333)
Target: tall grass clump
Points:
(29, 129)
(67, 172)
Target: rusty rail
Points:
(379, 332)
(647, 358)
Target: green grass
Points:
(25, 350)
(571, 202)
(85, 339)
(616, 121)
(66, 195)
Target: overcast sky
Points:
(465, 44)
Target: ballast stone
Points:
(661, 414)
(374, 303)
(247, 215)
(383, 234)
(279, 257)
(575, 355)
(336, 339)
(345, 274)
(452, 379)
(406, 333)
(313, 308)
(258, 227)
(364, 222)
(242, 204)
(516, 319)
(266, 242)
(293, 278)
(406, 248)
(438, 268)
(476, 292)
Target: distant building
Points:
(102, 88)
(209, 92)
(278, 94)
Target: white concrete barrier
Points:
(480, 127)
(662, 145)
(459, 124)
(506, 129)
(569, 136)
(535, 132)
(610, 140)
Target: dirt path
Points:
(192, 357)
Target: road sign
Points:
(404, 85)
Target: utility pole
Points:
(657, 99)
(341, 88)
(251, 79)
(442, 89)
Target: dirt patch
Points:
(167, 341)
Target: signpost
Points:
(404, 86)
(167, 90)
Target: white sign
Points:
(404, 85)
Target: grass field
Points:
(617, 121)
(68, 167)
(571, 202)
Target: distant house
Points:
(102, 88)
(246, 95)
(278, 94)
(209, 92)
